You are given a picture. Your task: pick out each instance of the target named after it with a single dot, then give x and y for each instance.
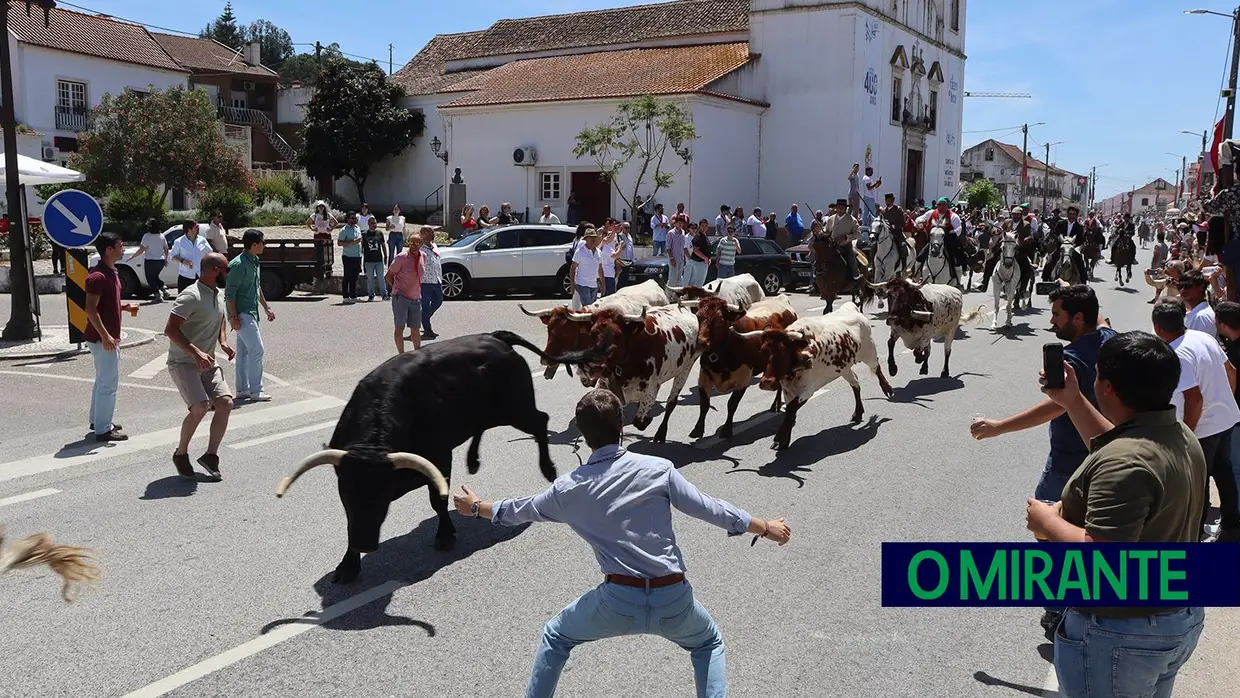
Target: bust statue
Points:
(456, 177)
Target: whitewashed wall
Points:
(291, 104)
(410, 177)
(724, 168)
(36, 69)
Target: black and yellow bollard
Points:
(75, 291)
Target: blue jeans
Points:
(432, 298)
(611, 610)
(374, 278)
(695, 273)
(249, 359)
(587, 294)
(1050, 488)
(609, 285)
(868, 207)
(396, 243)
(727, 271)
(153, 268)
(1097, 657)
(107, 379)
(658, 247)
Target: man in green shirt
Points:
(243, 295)
(1143, 481)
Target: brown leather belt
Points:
(640, 583)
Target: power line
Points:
(992, 130)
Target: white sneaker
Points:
(261, 397)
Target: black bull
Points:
(411, 412)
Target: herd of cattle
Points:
(405, 418)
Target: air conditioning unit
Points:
(49, 153)
(247, 86)
(524, 157)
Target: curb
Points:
(143, 337)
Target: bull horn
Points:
(688, 304)
(580, 317)
(540, 313)
(635, 318)
(413, 461)
(923, 282)
(734, 308)
(677, 289)
(794, 334)
(877, 287)
(748, 335)
(329, 456)
(923, 315)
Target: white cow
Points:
(742, 291)
(812, 352)
(921, 313)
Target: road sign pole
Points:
(21, 321)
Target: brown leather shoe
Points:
(114, 435)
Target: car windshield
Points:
(468, 240)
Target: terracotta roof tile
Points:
(89, 35)
(615, 26)
(658, 71)
(424, 74)
(208, 56)
(1035, 165)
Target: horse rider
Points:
(895, 217)
(1023, 227)
(942, 216)
(1071, 228)
(843, 230)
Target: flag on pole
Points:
(1214, 145)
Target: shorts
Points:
(406, 312)
(198, 386)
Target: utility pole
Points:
(389, 59)
(318, 53)
(1093, 184)
(1046, 178)
(1179, 193)
(1024, 161)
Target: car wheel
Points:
(771, 282)
(273, 285)
(455, 283)
(130, 286)
(564, 285)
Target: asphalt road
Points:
(220, 589)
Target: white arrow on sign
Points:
(80, 226)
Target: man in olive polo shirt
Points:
(1143, 481)
(195, 327)
(243, 294)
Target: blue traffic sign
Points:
(72, 218)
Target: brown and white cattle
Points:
(923, 312)
(742, 291)
(569, 330)
(730, 360)
(812, 352)
(648, 350)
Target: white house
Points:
(784, 94)
(62, 70)
(1002, 164)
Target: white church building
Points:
(785, 95)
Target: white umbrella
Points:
(33, 171)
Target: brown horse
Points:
(831, 272)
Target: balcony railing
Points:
(74, 119)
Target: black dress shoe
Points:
(114, 435)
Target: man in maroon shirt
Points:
(103, 335)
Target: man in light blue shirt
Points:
(621, 504)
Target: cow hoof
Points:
(944, 374)
(924, 370)
(892, 368)
(346, 572)
(778, 445)
(473, 464)
(724, 432)
(697, 432)
(660, 436)
(445, 543)
(889, 391)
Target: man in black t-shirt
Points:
(374, 261)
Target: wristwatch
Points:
(473, 509)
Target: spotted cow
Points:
(923, 312)
(812, 352)
(657, 346)
(569, 330)
(729, 360)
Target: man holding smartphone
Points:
(1074, 319)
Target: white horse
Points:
(1006, 277)
(886, 260)
(937, 268)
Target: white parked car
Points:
(133, 273)
(521, 257)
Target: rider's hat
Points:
(1190, 216)
(943, 200)
(1017, 210)
(841, 202)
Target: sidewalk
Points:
(55, 342)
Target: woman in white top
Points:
(364, 218)
(587, 268)
(396, 233)
(609, 251)
(154, 247)
(322, 222)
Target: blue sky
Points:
(1114, 80)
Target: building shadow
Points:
(795, 461)
(405, 561)
(173, 486)
(988, 680)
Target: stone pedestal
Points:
(452, 208)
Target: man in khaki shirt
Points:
(195, 328)
(843, 229)
(1143, 482)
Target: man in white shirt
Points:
(587, 268)
(755, 225)
(187, 254)
(1200, 315)
(216, 235)
(548, 218)
(869, 207)
(723, 220)
(659, 226)
(1205, 401)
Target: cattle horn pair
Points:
(539, 314)
(580, 317)
(877, 287)
(923, 315)
(333, 456)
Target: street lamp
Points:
(1229, 116)
(21, 323)
(675, 141)
(435, 147)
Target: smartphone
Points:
(1052, 364)
(1044, 288)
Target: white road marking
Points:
(91, 452)
(1050, 687)
(283, 435)
(263, 642)
(28, 496)
(151, 368)
(753, 421)
(815, 308)
(37, 374)
(278, 381)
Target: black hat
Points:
(841, 202)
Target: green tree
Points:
(353, 121)
(639, 135)
(304, 67)
(155, 142)
(983, 194)
(224, 29)
(276, 44)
